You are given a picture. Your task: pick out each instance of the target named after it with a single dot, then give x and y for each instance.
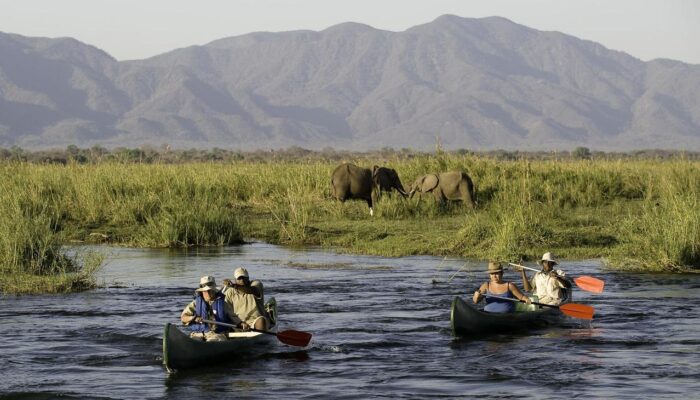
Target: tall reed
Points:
(645, 211)
(32, 257)
(665, 233)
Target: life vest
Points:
(201, 309)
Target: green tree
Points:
(581, 153)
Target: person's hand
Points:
(227, 282)
(527, 300)
(553, 274)
(197, 320)
(478, 295)
(245, 326)
(517, 268)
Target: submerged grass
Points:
(636, 213)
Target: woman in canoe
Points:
(497, 287)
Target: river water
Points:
(381, 329)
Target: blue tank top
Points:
(498, 305)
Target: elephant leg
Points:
(369, 203)
(439, 197)
(465, 195)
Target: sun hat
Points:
(548, 257)
(494, 267)
(240, 272)
(206, 283)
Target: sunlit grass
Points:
(634, 212)
(665, 233)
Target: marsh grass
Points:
(638, 212)
(664, 235)
(32, 258)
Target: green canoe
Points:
(181, 352)
(467, 320)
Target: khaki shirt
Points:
(547, 288)
(228, 310)
(244, 302)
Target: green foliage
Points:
(638, 212)
(665, 233)
(581, 153)
(32, 258)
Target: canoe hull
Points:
(466, 320)
(181, 352)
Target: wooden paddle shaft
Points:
(234, 326)
(522, 266)
(521, 301)
(290, 337)
(571, 309)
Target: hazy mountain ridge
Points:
(476, 83)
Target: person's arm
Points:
(517, 293)
(562, 281)
(479, 293)
(526, 282)
(228, 309)
(188, 314)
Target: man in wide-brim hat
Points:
(548, 283)
(209, 304)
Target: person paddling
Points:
(497, 287)
(246, 299)
(210, 304)
(549, 285)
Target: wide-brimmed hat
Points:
(206, 283)
(548, 257)
(494, 267)
(240, 272)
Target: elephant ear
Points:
(429, 183)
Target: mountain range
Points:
(477, 84)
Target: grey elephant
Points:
(349, 181)
(453, 185)
(387, 179)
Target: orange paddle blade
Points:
(294, 338)
(590, 284)
(581, 311)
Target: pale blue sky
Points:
(135, 29)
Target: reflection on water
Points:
(380, 325)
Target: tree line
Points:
(166, 155)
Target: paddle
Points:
(581, 311)
(587, 283)
(290, 337)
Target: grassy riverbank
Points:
(636, 213)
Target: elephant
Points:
(453, 185)
(388, 179)
(349, 181)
